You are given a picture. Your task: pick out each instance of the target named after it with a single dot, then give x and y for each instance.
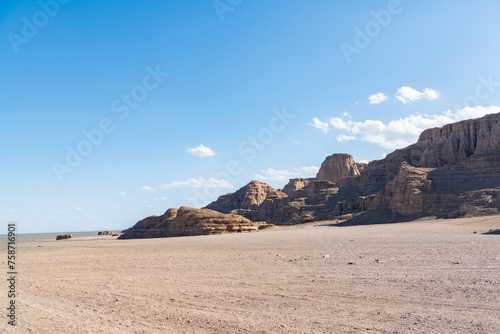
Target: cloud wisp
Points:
(201, 151)
(407, 94)
(283, 175)
(200, 183)
(404, 131)
(377, 98)
(323, 126)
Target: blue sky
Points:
(187, 100)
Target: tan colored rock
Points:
(187, 221)
(296, 184)
(406, 193)
(361, 166)
(249, 197)
(337, 167)
(105, 233)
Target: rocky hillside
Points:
(452, 171)
(188, 222)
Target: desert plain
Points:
(437, 276)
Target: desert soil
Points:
(417, 277)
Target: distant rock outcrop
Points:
(248, 200)
(188, 222)
(113, 234)
(64, 236)
(337, 167)
(296, 184)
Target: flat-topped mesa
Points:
(296, 184)
(248, 197)
(456, 142)
(337, 167)
(189, 222)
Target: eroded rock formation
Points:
(452, 171)
(187, 221)
(296, 184)
(337, 167)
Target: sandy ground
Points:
(418, 277)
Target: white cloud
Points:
(201, 151)
(77, 208)
(308, 170)
(407, 94)
(471, 112)
(377, 98)
(323, 126)
(363, 161)
(404, 131)
(147, 188)
(123, 193)
(296, 142)
(200, 183)
(164, 198)
(283, 175)
(343, 138)
(279, 175)
(148, 206)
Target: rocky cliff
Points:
(337, 167)
(296, 184)
(451, 171)
(248, 200)
(188, 222)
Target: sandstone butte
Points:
(187, 221)
(451, 171)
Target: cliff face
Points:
(296, 184)
(451, 171)
(337, 167)
(188, 222)
(249, 197)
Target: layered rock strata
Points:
(451, 171)
(187, 221)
